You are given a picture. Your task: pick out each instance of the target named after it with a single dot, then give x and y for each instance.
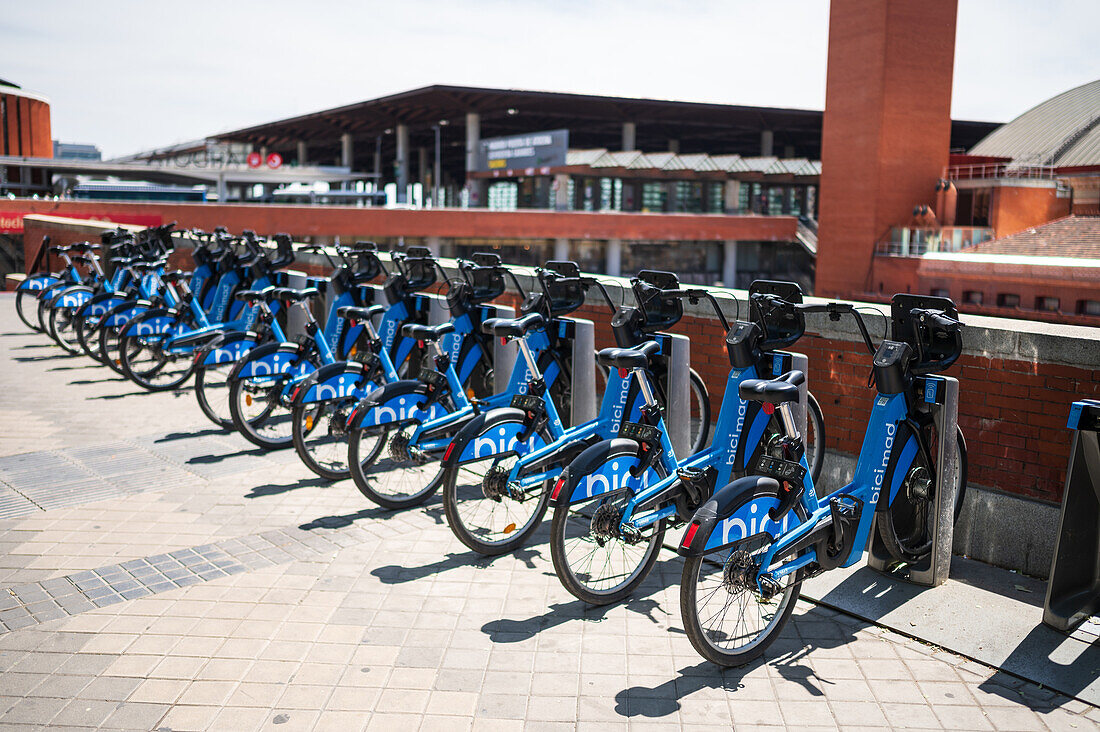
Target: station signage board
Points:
(518, 152)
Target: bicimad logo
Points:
(611, 477)
(502, 439)
(880, 471)
(751, 519)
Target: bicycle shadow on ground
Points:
(785, 655)
(375, 513)
(213, 458)
(208, 432)
(176, 393)
(394, 574)
(274, 489)
(36, 359)
(507, 630)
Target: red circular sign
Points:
(254, 160)
(274, 160)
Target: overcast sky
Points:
(133, 75)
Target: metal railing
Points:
(916, 241)
(977, 171)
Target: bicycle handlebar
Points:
(592, 281)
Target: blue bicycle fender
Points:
(341, 380)
(394, 403)
(98, 308)
(38, 282)
(282, 358)
(226, 351)
(727, 518)
(151, 325)
(73, 298)
(603, 468)
(126, 315)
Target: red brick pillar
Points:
(887, 128)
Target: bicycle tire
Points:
(367, 473)
(460, 519)
(891, 523)
(61, 329)
(206, 387)
(303, 428)
(23, 300)
(704, 642)
(699, 391)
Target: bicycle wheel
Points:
(109, 345)
(484, 513)
(26, 305)
(62, 329)
(906, 526)
(725, 617)
(814, 439)
(700, 412)
(146, 364)
(89, 343)
(392, 478)
(261, 410)
(592, 558)
(212, 393)
(321, 437)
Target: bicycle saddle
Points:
(288, 294)
(426, 332)
(351, 312)
(513, 327)
(774, 391)
(629, 358)
(177, 276)
(252, 295)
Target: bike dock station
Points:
(1073, 589)
(940, 400)
(676, 355)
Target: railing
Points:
(915, 241)
(979, 171)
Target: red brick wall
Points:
(886, 130)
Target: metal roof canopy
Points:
(593, 122)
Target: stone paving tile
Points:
(346, 617)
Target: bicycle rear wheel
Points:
(26, 306)
(321, 437)
(62, 329)
(725, 617)
(146, 364)
(212, 393)
(484, 513)
(592, 558)
(391, 477)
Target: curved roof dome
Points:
(1062, 131)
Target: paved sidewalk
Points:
(156, 573)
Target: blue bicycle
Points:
(499, 468)
(612, 505)
(321, 406)
(263, 383)
(416, 419)
(215, 361)
(750, 546)
(157, 348)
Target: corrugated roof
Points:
(584, 157)
(730, 163)
(760, 164)
(1072, 236)
(1062, 131)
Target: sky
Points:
(131, 75)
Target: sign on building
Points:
(534, 150)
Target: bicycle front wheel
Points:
(212, 393)
(62, 328)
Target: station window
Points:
(1088, 307)
(654, 196)
(1049, 304)
(1008, 300)
(744, 205)
(972, 297)
(940, 292)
